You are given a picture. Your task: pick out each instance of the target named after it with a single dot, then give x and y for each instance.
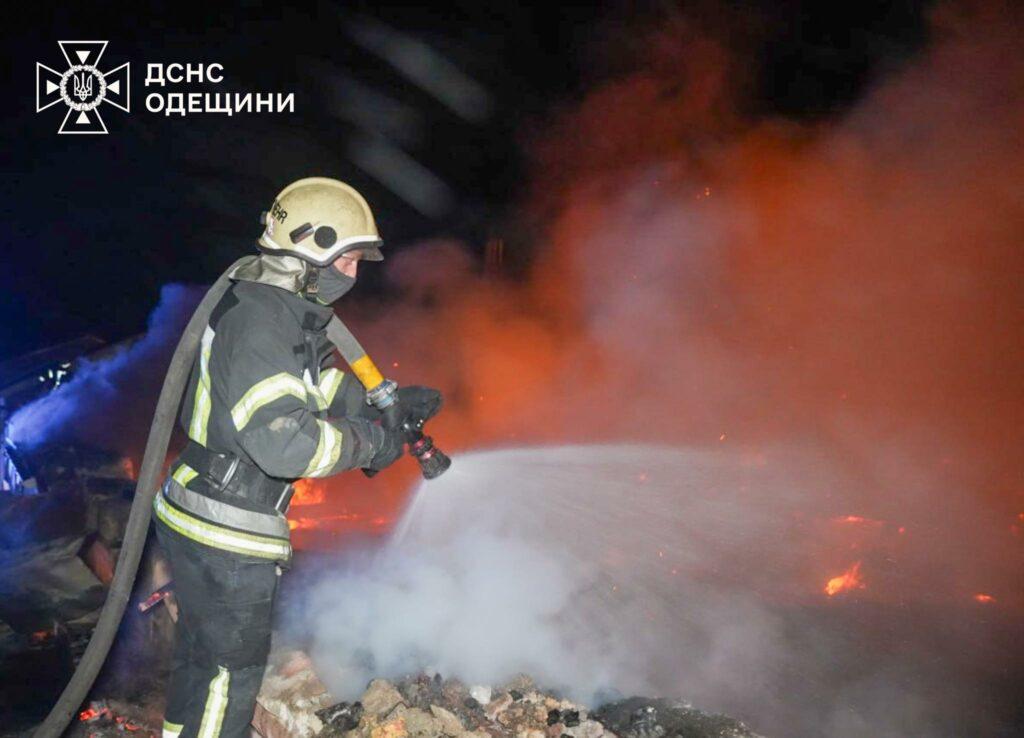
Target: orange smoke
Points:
(678, 272)
(849, 579)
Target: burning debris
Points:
(107, 719)
(848, 580)
(294, 704)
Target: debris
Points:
(481, 694)
(290, 697)
(420, 723)
(426, 706)
(380, 697)
(450, 723)
(497, 706)
(568, 718)
(341, 717)
(157, 597)
(640, 717)
(594, 729)
(390, 729)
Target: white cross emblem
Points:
(82, 87)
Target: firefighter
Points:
(264, 407)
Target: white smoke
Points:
(606, 570)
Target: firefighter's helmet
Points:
(317, 219)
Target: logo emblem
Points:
(82, 87)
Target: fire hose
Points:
(382, 393)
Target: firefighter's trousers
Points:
(222, 637)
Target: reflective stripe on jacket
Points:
(261, 388)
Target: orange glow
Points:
(91, 713)
(774, 279)
(850, 579)
(308, 492)
(857, 520)
(331, 521)
(986, 598)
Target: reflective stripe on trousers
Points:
(216, 704)
(222, 637)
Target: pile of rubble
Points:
(294, 704)
(58, 548)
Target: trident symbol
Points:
(83, 86)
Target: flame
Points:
(986, 598)
(328, 521)
(849, 579)
(857, 520)
(321, 521)
(308, 492)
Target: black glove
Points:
(419, 403)
(388, 451)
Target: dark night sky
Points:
(92, 226)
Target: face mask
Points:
(332, 284)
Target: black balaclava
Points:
(332, 284)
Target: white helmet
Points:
(317, 219)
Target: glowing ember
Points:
(91, 713)
(857, 520)
(986, 598)
(850, 579)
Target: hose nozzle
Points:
(433, 461)
(383, 394)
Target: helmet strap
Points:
(312, 284)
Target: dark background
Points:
(92, 226)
